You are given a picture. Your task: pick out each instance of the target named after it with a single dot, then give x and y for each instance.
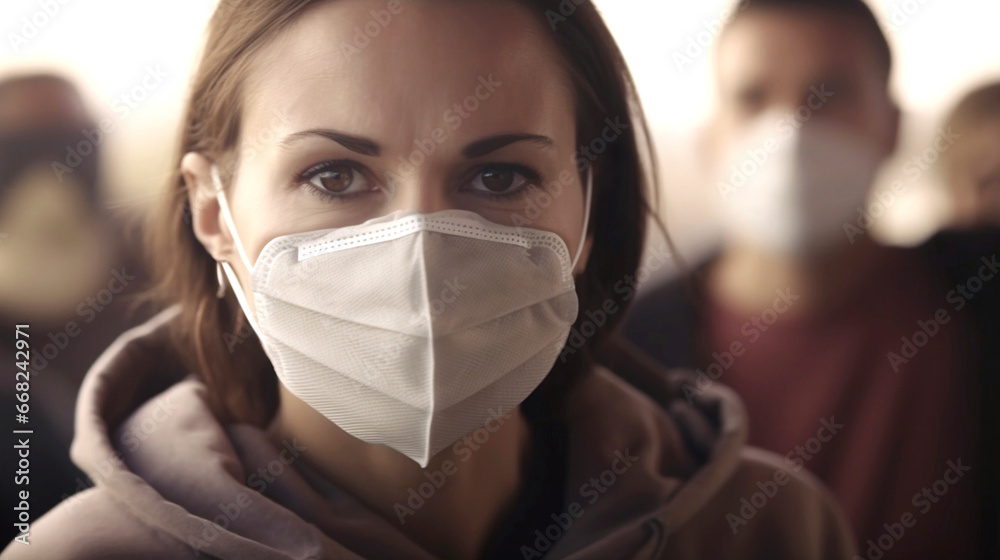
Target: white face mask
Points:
(789, 187)
(411, 330)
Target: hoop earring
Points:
(221, 293)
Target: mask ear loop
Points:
(588, 196)
(221, 279)
(220, 194)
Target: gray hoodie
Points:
(651, 475)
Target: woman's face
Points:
(360, 109)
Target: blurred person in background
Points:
(863, 363)
(66, 268)
(971, 170)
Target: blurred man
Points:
(859, 362)
(66, 270)
(971, 171)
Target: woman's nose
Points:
(421, 194)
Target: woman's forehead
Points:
(355, 66)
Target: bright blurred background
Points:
(109, 47)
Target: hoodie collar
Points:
(642, 460)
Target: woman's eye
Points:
(338, 179)
(499, 180)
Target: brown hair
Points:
(980, 106)
(19, 84)
(242, 384)
(855, 9)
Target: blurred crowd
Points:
(70, 268)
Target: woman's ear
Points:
(206, 217)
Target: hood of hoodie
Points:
(146, 436)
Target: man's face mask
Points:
(411, 330)
(53, 248)
(789, 187)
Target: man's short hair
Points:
(977, 106)
(855, 9)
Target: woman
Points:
(395, 197)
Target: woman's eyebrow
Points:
(482, 147)
(357, 144)
(368, 147)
